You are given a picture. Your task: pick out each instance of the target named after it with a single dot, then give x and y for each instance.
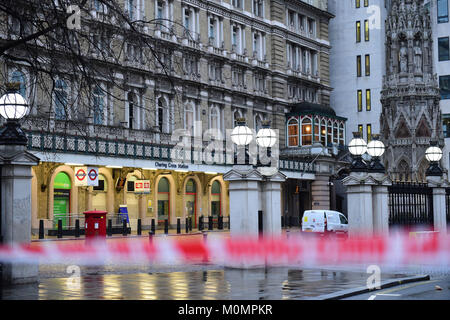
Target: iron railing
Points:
(73, 144)
(410, 204)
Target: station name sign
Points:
(171, 165)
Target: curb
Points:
(387, 284)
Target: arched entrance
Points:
(191, 201)
(216, 204)
(61, 199)
(163, 200)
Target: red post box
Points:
(95, 224)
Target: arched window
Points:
(61, 199)
(323, 132)
(236, 115)
(216, 210)
(330, 133)
(335, 133)
(131, 110)
(258, 122)
(191, 200)
(214, 118)
(306, 132)
(293, 133)
(316, 129)
(99, 101)
(160, 114)
(341, 134)
(60, 99)
(99, 198)
(189, 117)
(163, 200)
(18, 76)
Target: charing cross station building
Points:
(117, 100)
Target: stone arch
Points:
(223, 199)
(421, 170)
(402, 130)
(73, 191)
(403, 169)
(423, 130)
(172, 198)
(199, 195)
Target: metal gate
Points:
(410, 204)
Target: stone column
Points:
(439, 208)
(320, 192)
(15, 186)
(271, 197)
(360, 209)
(243, 188)
(380, 207)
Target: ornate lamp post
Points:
(376, 149)
(357, 148)
(434, 154)
(266, 138)
(242, 136)
(13, 107)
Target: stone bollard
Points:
(60, 234)
(153, 228)
(166, 226)
(186, 224)
(139, 227)
(77, 228)
(210, 222)
(124, 228)
(178, 225)
(190, 224)
(220, 223)
(200, 223)
(41, 229)
(109, 228)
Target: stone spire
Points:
(410, 96)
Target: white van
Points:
(321, 220)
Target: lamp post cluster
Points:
(375, 148)
(242, 136)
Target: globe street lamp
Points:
(266, 138)
(434, 154)
(13, 107)
(242, 136)
(357, 147)
(376, 149)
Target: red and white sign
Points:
(81, 176)
(142, 186)
(92, 175)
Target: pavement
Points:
(199, 282)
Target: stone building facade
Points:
(211, 62)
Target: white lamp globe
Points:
(241, 134)
(266, 138)
(375, 148)
(357, 146)
(433, 154)
(12, 105)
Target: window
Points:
(259, 82)
(60, 99)
(237, 77)
(360, 129)
(323, 132)
(443, 49)
(237, 3)
(358, 3)
(189, 117)
(444, 85)
(293, 133)
(368, 100)
(335, 133)
(160, 114)
(341, 134)
(258, 8)
(99, 101)
(131, 104)
(442, 8)
(329, 133)
(366, 30)
(369, 133)
(358, 31)
(367, 65)
(358, 66)
(238, 38)
(306, 132)
(18, 76)
(446, 125)
(359, 100)
(259, 42)
(214, 118)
